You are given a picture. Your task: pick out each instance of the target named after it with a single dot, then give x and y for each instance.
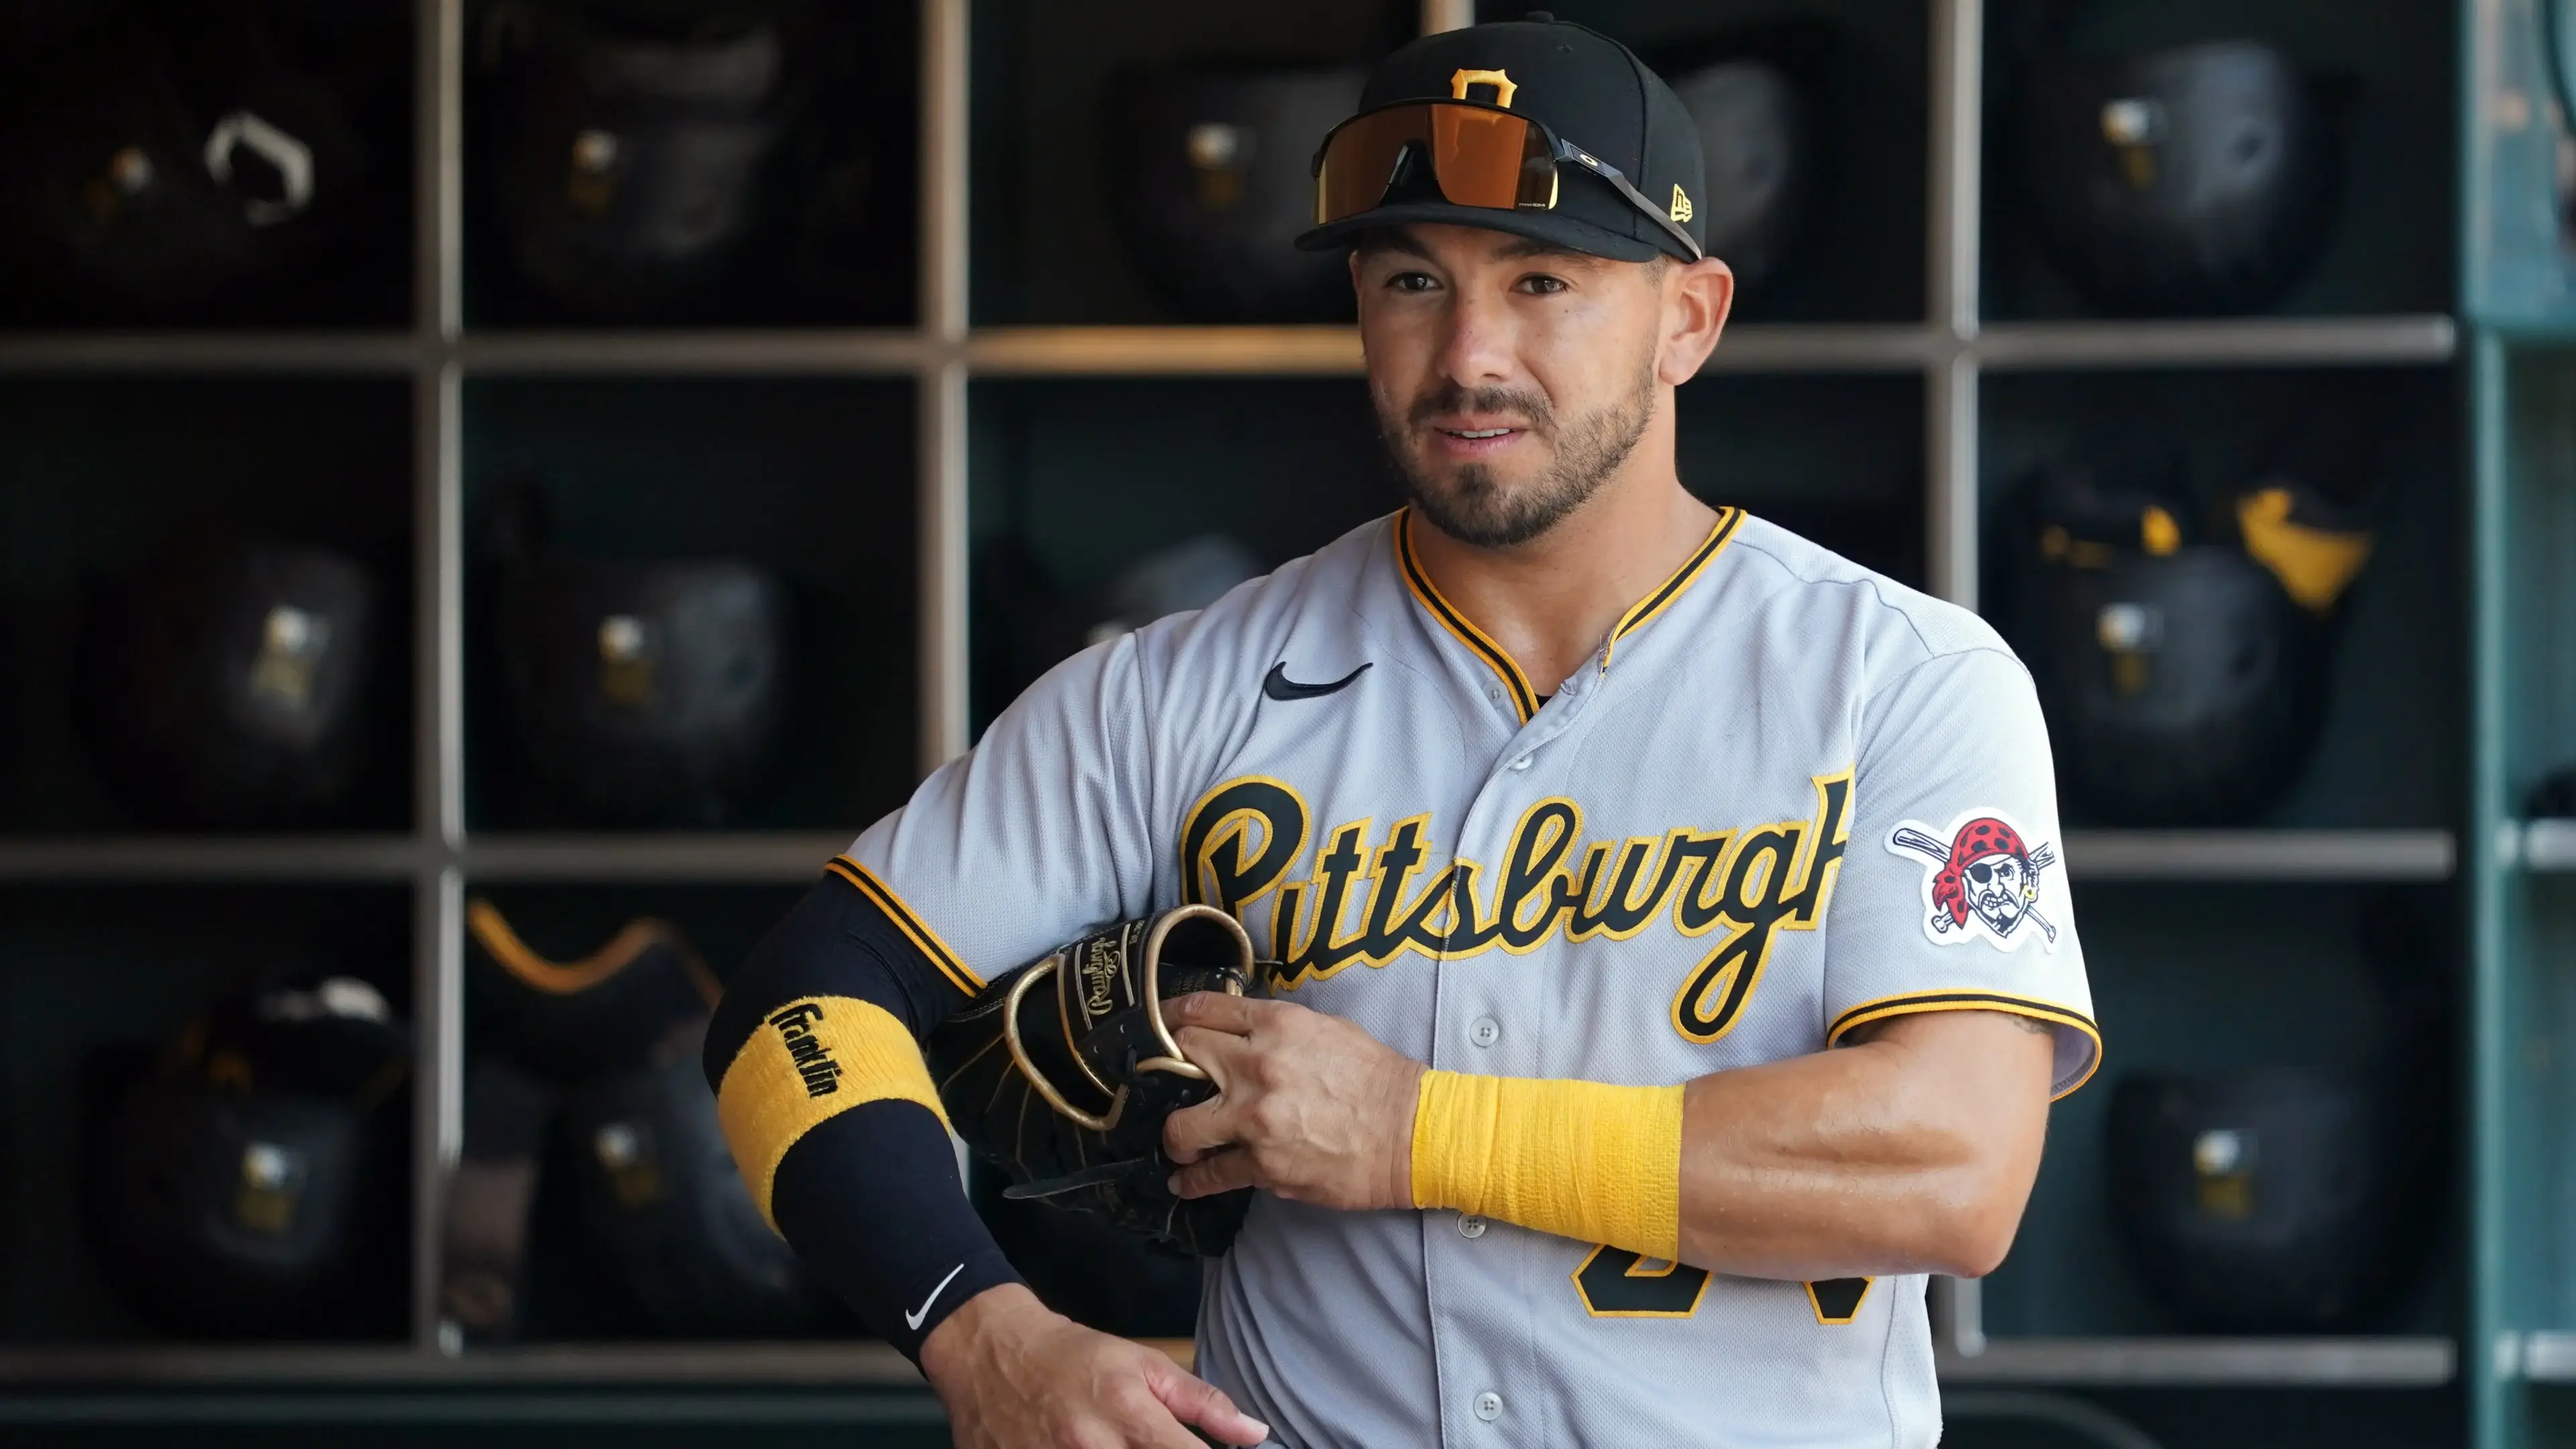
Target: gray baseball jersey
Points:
(1787, 797)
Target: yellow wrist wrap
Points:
(808, 1062)
(1582, 1160)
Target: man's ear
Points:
(1697, 298)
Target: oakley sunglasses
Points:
(1480, 156)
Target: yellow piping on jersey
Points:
(1524, 698)
(1911, 1002)
(1641, 613)
(1645, 609)
(906, 920)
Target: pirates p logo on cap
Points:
(1501, 81)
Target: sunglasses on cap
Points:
(1480, 156)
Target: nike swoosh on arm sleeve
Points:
(814, 1055)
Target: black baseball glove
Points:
(1062, 1072)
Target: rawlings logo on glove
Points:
(1081, 1030)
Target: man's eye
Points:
(1411, 282)
(1543, 285)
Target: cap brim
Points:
(1553, 227)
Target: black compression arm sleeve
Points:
(868, 1195)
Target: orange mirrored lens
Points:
(1479, 157)
(1360, 161)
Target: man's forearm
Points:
(1911, 1152)
(833, 1118)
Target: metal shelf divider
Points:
(2540, 846)
(2420, 340)
(438, 961)
(821, 351)
(1187, 350)
(945, 302)
(438, 357)
(2263, 855)
(1955, 140)
(2396, 1362)
(791, 856)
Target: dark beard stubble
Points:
(1471, 507)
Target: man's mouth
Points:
(1473, 444)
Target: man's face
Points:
(1511, 379)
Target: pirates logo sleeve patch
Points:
(1982, 877)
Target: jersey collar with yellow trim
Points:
(1526, 699)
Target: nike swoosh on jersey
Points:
(1279, 686)
(911, 1319)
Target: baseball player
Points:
(1671, 957)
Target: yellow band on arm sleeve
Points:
(808, 1062)
(1583, 1160)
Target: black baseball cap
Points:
(1587, 88)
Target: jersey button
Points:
(1489, 1406)
(1471, 1226)
(1493, 694)
(1485, 1032)
(1522, 763)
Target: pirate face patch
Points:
(1981, 878)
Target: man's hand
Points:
(1308, 1106)
(1016, 1375)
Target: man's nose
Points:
(1477, 346)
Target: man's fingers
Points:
(1149, 1424)
(1194, 1400)
(1194, 1132)
(1217, 1011)
(1213, 1173)
(1215, 1052)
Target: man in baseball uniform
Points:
(1675, 960)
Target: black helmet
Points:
(232, 684)
(2194, 180)
(2184, 688)
(2297, 1199)
(165, 164)
(1217, 185)
(1190, 574)
(642, 693)
(647, 693)
(565, 1021)
(2265, 1200)
(2182, 660)
(238, 1184)
(1754, 135)
(608, 1045)
(632, 143)
(660, 1191)
(1754, 94)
